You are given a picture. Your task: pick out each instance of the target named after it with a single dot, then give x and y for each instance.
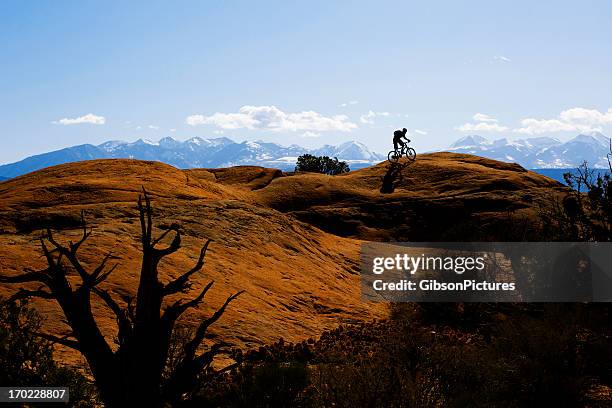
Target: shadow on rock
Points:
(393, 176)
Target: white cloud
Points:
(368, 118)
(570, 120)
(485, 123)
(420, 132)
(153, 127)
(345, 104)
(532, 126)
(273, 119)
(172, 130)
(501, 58)
(586, 116)
(481, 127)
(224, 120)
(481, 117)
(308, 133)
(89, 118)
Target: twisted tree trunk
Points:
(132, 375)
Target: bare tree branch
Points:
(181, 283)
(173, 228)
(64, 341)
(122, 315)
(172, 313)
(609, 156)
(75, 247)
(110, 302)
(184, 378)
(141, 216)
(146, 219)
(29, 276)
(70, 255)
(170, 249)
(227, 368)
(192, 346)
(103, 277)
(206, 358)
(50, 260)
(130, 308)
(26, 293)
(94, 275)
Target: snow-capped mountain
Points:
(540, 152)
(196, 152)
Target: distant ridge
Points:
(540, 152)
(195, 153)
(532, 153)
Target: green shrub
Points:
(321, 164)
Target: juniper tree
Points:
(134, 372)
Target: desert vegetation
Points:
(509, 356)
(485, 355)
(321, 164)
(27, 359)
(145, 367)
(585, 213)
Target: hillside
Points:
(291, 241)
(435, 198)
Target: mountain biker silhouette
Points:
(398, 135)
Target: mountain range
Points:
(532, 153)
(540, 152)
(196, 153)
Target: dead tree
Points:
(132, 373)
(609, 156)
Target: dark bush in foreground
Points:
(27, 359)
(549, 355)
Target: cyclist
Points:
(398, 135)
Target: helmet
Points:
(404, 130)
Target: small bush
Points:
(27, 360)
(585, 212)
(258, 384)
(518, 355)
(321, 164)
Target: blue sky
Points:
(309, 73)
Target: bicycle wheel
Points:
(393, 156)
(411, 153)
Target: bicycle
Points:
(405, 151)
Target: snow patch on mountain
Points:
(197, 152)
(540, 152)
